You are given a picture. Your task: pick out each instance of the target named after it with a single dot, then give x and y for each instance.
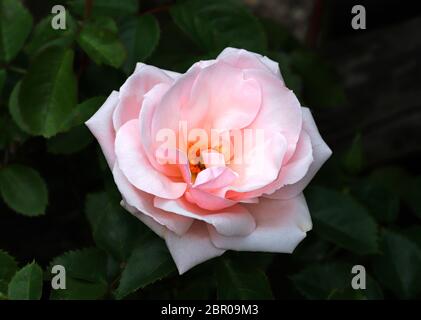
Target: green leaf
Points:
(346, 294)
(340, 219)
(100, 41)
(197, 289)
(15, 26)
(313, 250)
(321, 88)
(320, 280)
(382, 191)
(394, 179)
(217, 24)
(240, 281)
(398, 268)
(45, 36)
(9, 131)
(259, 260)
(23, 190)
(84, 111)
(2, 80)
(114, 229)
(80, 290)
(86, 275)
(140, 35)
(70, 142)
(149, 262)
(26, 284)
(114, 8)
(413, 196)
(382, 204)
(371, 292)
(47, 95)
(414, 234)
(14, 108)
(86, 264)
(279, 37)
(353, 158)
(8, 267)
(332, 281)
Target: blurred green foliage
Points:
(52, 81)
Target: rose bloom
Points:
(203, 203)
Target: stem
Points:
(16, 69)
(88, 9)
(157, 9)
(314, 26)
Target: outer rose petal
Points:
(143, 202)
(136, 167)
(159, 229)
(132, 91)
(101, 126)
(191, 249)
(172, 74)
(235, 220)
(244, 59)
(281, 225)
(321, 152)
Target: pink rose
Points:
(203, 195)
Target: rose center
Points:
(196, 163)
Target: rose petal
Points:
(212, 158)
(280, 110)
(215, 178)
(191, 249)
(172, 74)
(207, 200)
(133, 90)
(143, 202)
(101, 126)
(298, 165)
(235, 220)
(260, 166)
(321, 152)
(226, 99)
(150, 145)
(136, 167)
(244, 59)
(174, 106)
(280, 226)
(293, 171)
